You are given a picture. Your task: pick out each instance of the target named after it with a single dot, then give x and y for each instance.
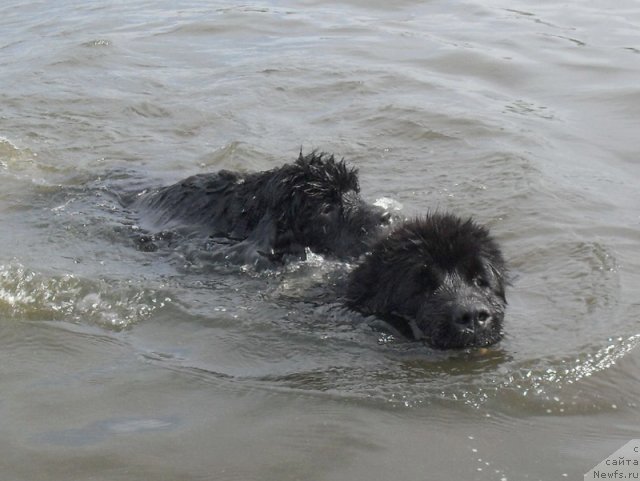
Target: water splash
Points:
(27, 294)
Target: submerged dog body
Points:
(313, 203)
(437, 278)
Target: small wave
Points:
(547, 380)
(101, 42)
(27, 294)
(99, 431)
(149, 110)
(12, 156)
(409, 376)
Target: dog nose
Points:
(470, 318)
(385, 217)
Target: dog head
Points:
(438, 278)
(325, 211)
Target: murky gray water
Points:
(117, 364)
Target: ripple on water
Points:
(282, 330)
(12, 157)
(30, 295)
(100, 431)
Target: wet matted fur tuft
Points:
(311, 203)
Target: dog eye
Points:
(327, 209)
(480, 281)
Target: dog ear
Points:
(502, 278)
(363, 285)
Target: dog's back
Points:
(218, 204)
(312, 203)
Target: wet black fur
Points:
(312, 203)
(438, 278)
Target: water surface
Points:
(118, 364)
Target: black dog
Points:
(313, 203)
(437, 278)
